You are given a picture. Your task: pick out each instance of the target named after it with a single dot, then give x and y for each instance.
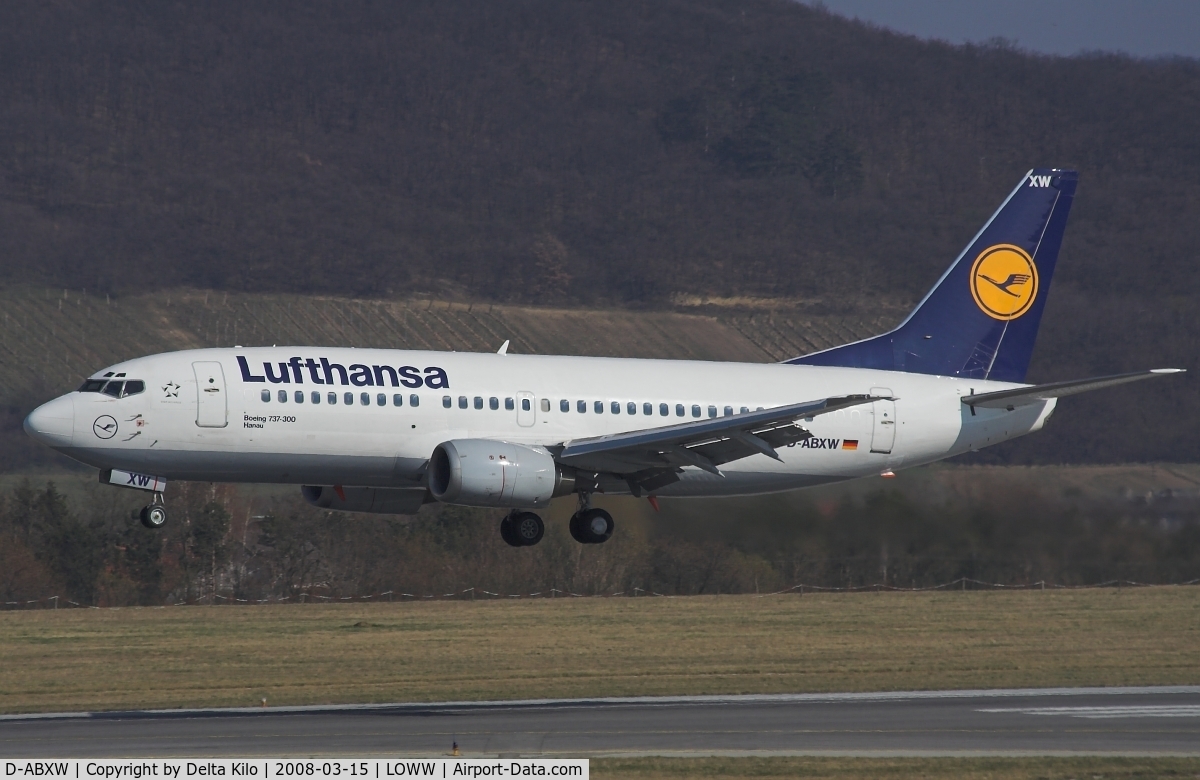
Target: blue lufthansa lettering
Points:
(296, 368)
(312, 371)
(391, 374)
(322, 372)
(329, 367)
(360, 376)
(283, 374)
(246, 375)
(435, 378)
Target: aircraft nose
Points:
(53, 422)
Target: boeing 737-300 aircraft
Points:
(376, 430)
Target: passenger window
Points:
(744, 410)
(113, 389)
(647, 408)
(525, 405)
(95, 386)
(564, 405)
(414, 400)
(695, 410)
(712, 411)
(545, 404)
(478, 402)
(663, 410)
(581, 407)
(332, 399)
(266, 396)
(679, 410)
(615, 406)
(299, 396)
(631, 408)
(397, 399)
(493, 403)
(446, 400)
(348, 399)
(462, 402)
(510, 404)
(283, 396)
(316, 396)
(133, 387)
(364, 399)
(598, 406)
(381, 399)
(759, 409)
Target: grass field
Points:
(456, 650)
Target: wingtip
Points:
(1168, 371)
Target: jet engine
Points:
(381, 501)
(484, 472)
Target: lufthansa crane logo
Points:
(105, 427)
(1004, 281)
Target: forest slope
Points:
(583, 156)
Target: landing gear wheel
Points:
(528, 528)
(154, 516)
(522, 529)
(592, 526)
(508, 533)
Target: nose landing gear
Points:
(154, 514)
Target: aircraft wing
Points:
(1025, 396)
(651, 458)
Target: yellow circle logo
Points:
(1004, 281)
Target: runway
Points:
(1071, 721)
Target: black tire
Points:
(528, 528)
(508, 533)
(598, 525)
(595, 526)
(576, 529)
(153, 516)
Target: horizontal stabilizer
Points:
(1024, 396)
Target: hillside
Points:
(576, 176)
(614, 152)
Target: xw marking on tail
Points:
(1039, 181)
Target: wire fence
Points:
(962, 584)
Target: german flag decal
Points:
(850, 444)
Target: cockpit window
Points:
(117, 389)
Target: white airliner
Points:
(375, 430)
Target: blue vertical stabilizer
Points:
(981, 318)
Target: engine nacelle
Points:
(485, 472)
(380, 501)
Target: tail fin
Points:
(981, 318)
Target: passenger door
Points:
(883, 430)
(212, 410)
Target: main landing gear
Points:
(525, 529)
(154, 514)
(522, 529)
(590, 526)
